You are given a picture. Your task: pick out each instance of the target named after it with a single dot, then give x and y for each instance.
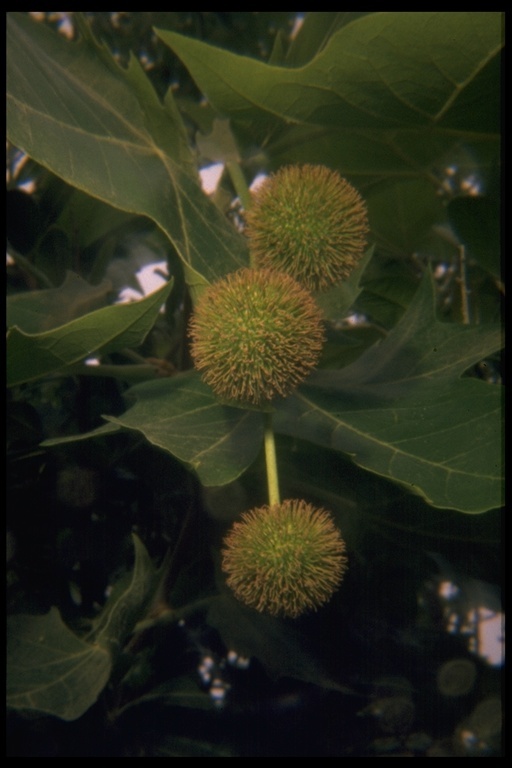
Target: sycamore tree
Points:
(233, 495)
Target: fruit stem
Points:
(271, 461)
(239, 183)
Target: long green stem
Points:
(271, 461)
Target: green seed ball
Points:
(285, 559)
(256, 335)
(309, 222)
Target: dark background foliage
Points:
(117, 496)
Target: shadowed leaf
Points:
(183, 416)
(403, 411)
(31, 356)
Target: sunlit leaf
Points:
(31, 356)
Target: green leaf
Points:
(476, 221)
(383, 70)
(181, 746)
(314, 33)
(105, 429)
(103, 130)
(178, 692)
(403, 411)
(125, 604)
(37, 311)
(219, 145)
(385, 98)
(50, 670)
(31, 356)
(277, 644)
(183, 416)
(337, 301)
(402, 215)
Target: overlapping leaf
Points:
(103, 130)
(386, 97)
(392, 70)
(31, 356)
(182, 416)
(52, 671)
(37, 311)
(404, 411)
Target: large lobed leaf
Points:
(103, 130)
(183, 416)
(404, 411)
(383, 70)
(384, 97)
(52, 671)
(31, 356)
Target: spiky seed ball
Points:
(284, 559)
(256, 334)
(309, 222)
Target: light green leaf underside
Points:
(31, 356)
(103, 130)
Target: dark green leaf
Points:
(476, 221)
(182, 416)
(105, 429)
(124, 606)
(31, 356)
(180, 746)
(50, 670)
(278, 645)
(178, 692)
(402, 215)
(403, 411)
(336, 302)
